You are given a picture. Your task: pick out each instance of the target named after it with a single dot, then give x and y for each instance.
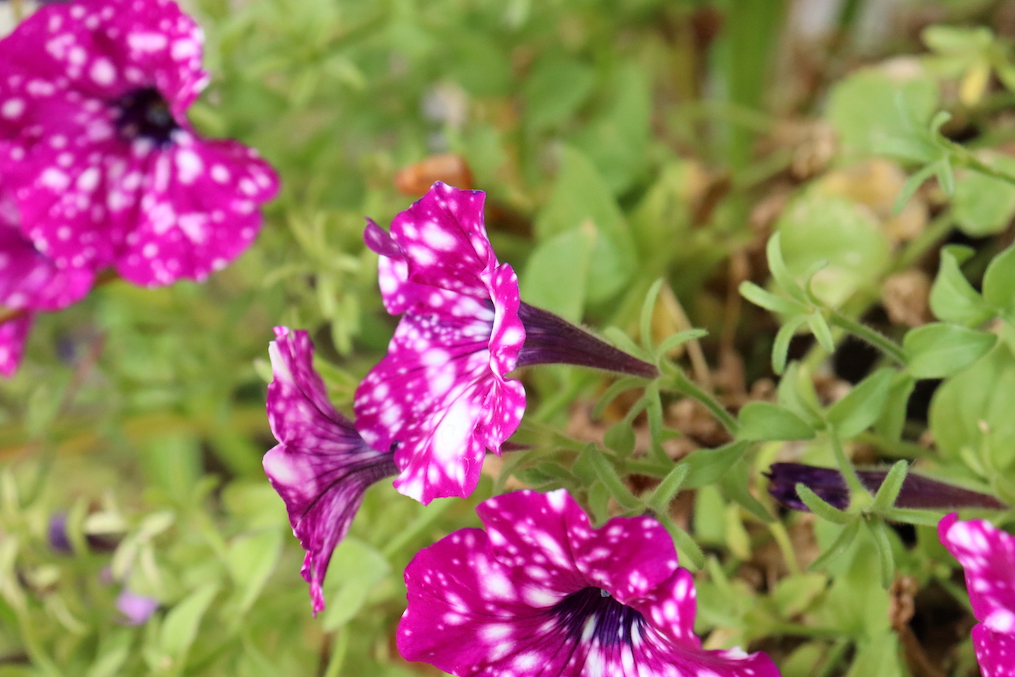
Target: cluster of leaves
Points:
(597, 129)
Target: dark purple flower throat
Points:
(144, 113)
(613, 622)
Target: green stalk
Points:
(684, 385)
(875, 338)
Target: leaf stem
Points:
(686, 386)
(856, 487)
(875, 338)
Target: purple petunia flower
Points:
(29, 282)
(441, 395)
(98, 153)
(988, 557)
(541, 592)
(321, 467)
(828, 483)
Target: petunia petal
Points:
(444, 240)
(988, 556)
(12, 342)
(321, 468)
(995, 651)
(515, 600)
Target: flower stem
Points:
(856, 487)
(875, 338)
(686, 386)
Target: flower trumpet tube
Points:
(917, 491)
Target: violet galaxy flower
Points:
(29, 282)
(988, 557)
(441, 395)
(98, 153)
(321, 467)
(828, 483)
(540, 592)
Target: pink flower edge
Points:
(321, 468)
(987, 556)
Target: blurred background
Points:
(619, 141)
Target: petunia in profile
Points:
(541, 592)
(98, 153)
(441, 395)
(988, 556)
(321, 467)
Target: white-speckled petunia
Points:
(542, 593)
(441, 396)
(987, 555)
(321, 467)
(98, 152)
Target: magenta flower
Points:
(29, 282)
(441, 396)
(541, 592)
(98, 153)
(988, 557)
(321, 468)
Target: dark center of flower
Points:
(593, 613)
(145, 114)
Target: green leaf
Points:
(707, 466)
(356, 568)
(939, 350)
(112, 653)
(796, 392)
(822, 332)
(735, 485)
(890, 488)
(871, 107)
(984, 205)
(780, 272)
(580, 195)
(607, 474)
(952, 298)
(780, 347)
(620, 438)
(838, 548)
(180, 627)
(556, 274)
(820, 507)
(252, 558)
(999, 282)
(794, 594)
(663, 494)
(817, 228)
(878, 657)
(766, 421)
(972, 410)
(680, 338)
(855, 412)
(768, 300)
(618, 136)
(886, 559)
(685, 544)
(893, 419)
(554, 90)
(647, 313)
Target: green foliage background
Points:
(644, 160)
